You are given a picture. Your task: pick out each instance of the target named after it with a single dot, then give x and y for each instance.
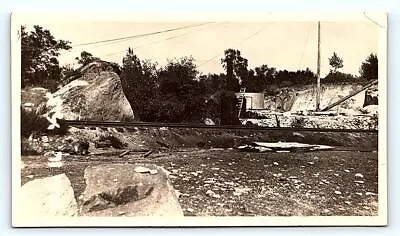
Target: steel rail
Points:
(80, 123)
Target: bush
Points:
(32, 123)
(339, 77)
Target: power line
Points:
(305, 45)
(155, 42)
(141, 35)
(244, 40)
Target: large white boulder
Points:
(50, 196)
(96, 95)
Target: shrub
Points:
(32, 123)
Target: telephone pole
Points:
(319, 69)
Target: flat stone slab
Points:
(128, 190)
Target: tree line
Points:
(176, 92)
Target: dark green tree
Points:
(239, 67)
(139, 82)
(179, 85)
(369, 68)
(259, 78)
(39, 63)
(86, 58)
(336, 62)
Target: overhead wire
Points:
(234, 45)
(304, 47)
(156, 42)
(140, 35)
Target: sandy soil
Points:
(224, 182)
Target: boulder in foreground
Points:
(121, 190)
(50, 196)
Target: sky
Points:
(284, 45)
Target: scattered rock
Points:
(359, 175)
(189, 210)
(45, 139)
(338, 192)
(239, 191)
(216, 196)
(48, 154)
(51, 196)
(141, 169)
(208, 121)
(370, 109)
(212, 194)
(134, 193)
(358, 181)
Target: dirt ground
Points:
(225, 182)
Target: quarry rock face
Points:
(51, 196)
(96, 95)
(128, 190)
(303, 98)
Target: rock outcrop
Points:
(128, 190)
(50, 196)
(96, 95)
(303, 98)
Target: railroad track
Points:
(80, 123)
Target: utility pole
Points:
(319, 69)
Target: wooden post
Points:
(318, 70)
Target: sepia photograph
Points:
(199, 119)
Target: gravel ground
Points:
(224, 182)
